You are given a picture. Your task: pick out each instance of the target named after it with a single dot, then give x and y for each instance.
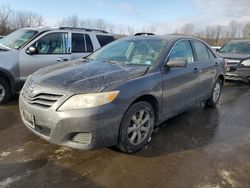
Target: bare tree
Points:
(5, 14)
(246, 31)
(71, 21)
(26, 19)
(187, 29)
(100, 24)
(234, 27)
(131, 30)
(149, 29)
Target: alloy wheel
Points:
(216, 92)
(2, 92)
(139, 127)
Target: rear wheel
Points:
(4, 91)
(136, 127)
(215, 96)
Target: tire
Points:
(134, 134)
(4, 91)
(216, 93)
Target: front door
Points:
(180, 85)
(52, 48)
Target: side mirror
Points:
(32, 50)
(177, 63)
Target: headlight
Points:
(88, 100)
(246, 62)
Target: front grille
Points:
(232, 69)
(44, 100)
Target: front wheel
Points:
(4, 91)
(216, 93)
(136, 127)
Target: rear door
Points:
(82, 45)
(53, 47)
(180, 85)
(207, 64)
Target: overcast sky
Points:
(166, 15)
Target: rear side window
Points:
(182, 50)
(89, 44)
(81, 43)
(78, 43)
(201, 51)
(104, 40)
(211, 54)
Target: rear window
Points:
(104, 39)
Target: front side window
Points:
(18, 38)
(134, 52)
(53, 43)
(211, 54)
(201, 51)
(182, 50)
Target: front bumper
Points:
(236, 73)
(99, 126)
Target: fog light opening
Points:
(82, 138)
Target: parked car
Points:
(216, 48)
(237, 57)
(118, 94)
(27, 50)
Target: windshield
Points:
(236, 47)
(135, 51)
(18, 38)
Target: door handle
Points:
(61, 59)
(195, 70)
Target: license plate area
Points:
(29, 118)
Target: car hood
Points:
(83, 76)
(234, 56)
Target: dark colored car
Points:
(237, 56)
(121, 92)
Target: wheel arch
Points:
(4, 74)
(222, 78)
(152, 100)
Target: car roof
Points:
(86, 30)
(169, 38)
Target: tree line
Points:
(216, 35)
(11, 20)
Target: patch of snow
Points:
(8, 181)
(5, 154)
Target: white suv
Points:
(29, 49)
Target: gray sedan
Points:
(117, 95)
